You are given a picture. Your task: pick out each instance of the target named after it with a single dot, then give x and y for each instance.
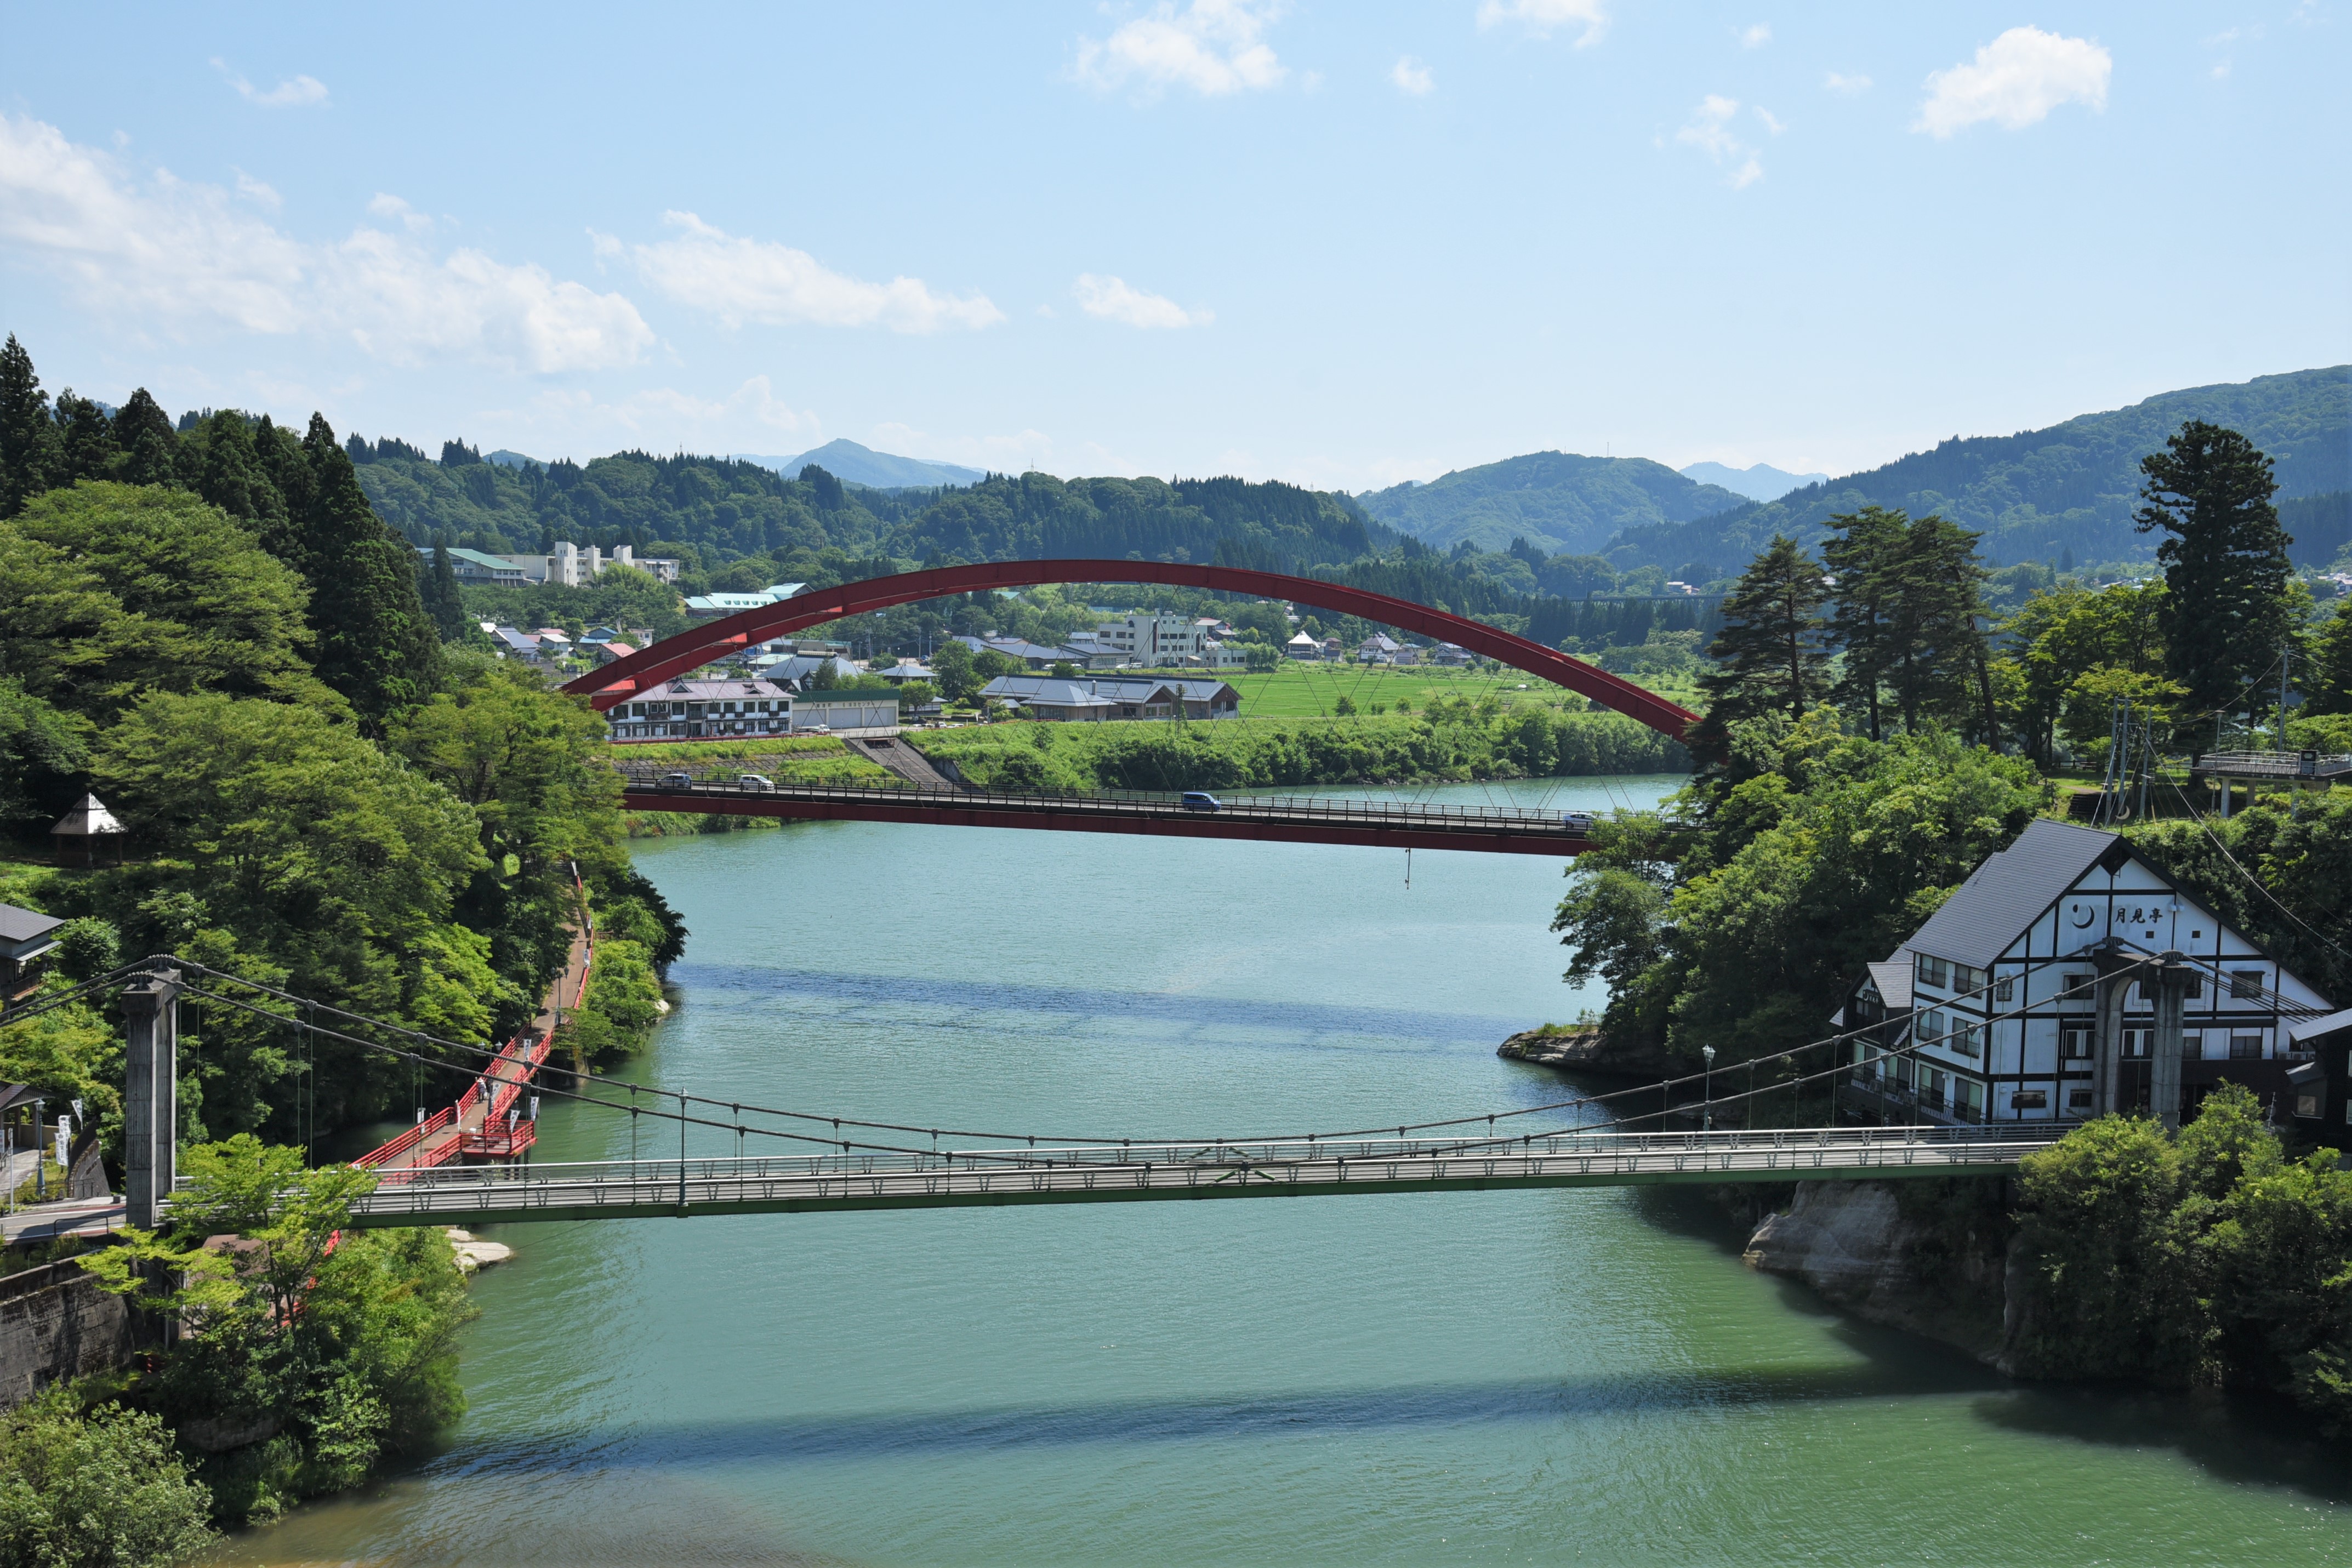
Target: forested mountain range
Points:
(2043, 495)
(1559, 501)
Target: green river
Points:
(1586, 1377)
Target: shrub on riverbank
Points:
(101, 1490)
(2209, 1260)
(1454, 740)
(308, 1351)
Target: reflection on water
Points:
(1547, 1376)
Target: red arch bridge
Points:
(1387, 824)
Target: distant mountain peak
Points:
(1757, 481)
(856, 464)
(1564, 503)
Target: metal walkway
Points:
(1289, 819)
(813, 1184)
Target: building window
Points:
(2078, 1098)
(2074, 991)
(2138, 1042)
(2030, 1099)
(2245, 984)
(2306, 1104)
(1932, 972)
(1968, 979)
(2245, 1048)
(2005, 989)
(2074, 1044)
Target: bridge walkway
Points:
(1135, 1171)
(1388, 823)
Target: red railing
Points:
(507, 1074)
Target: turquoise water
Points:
(1508, 1378)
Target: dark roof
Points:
(2009, 892)
(1893, 979)
(23, 925)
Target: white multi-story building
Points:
(1154, 640)
(713, 710)
(569, 565)
(2029, 996)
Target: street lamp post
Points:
(1707, 1106)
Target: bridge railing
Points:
(1290, 807)
(1954, 1146)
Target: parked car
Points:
(1577, 822)
(754, 781)
(1201, 800)
(678, 781)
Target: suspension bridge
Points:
(473, 1163)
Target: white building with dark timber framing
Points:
(2066, 978)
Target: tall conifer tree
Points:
(1860, 553)
(150, 446)
(2226, 616)
(1769, 657)
(443, 602)
(377, 644)
(29, 448)
(87, 447)
(226, 474)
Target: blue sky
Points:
(1342, 244)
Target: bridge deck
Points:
(1391, 824)
(811, 1184)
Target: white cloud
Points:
(385, 205)
(1213, 47)
(255, 190)
(1541, 16)
(1757, 36)
(1709, 130)
(2015, 80)
(1114, 299)
(739, 279)
(1410, 77)
(294, 92)
(1772, 122)
(1846, 86)
(178, 255)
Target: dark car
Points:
(678, 781)
(1201, 800)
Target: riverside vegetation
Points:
(215, 633)
(1839, 801)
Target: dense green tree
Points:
(2058, 638)
(149, 444)
(377, 644)
(108, 590)
(1769, 656)
(104, 1490)
(2226, 618)
(953, 664)
(1942, 666)
(87, 446)
(1859, 553)
(442, 601)
(341, 1341)
(2328, 687)
(229, 473)
(30, 447)
(1814, 853)
(42, 752)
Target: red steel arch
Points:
(699, 645)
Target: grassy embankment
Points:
(1294, 690)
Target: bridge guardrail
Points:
(1281, 807)
(613, 1186)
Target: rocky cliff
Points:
(1934, 1258)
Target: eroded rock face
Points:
(1852, 1242)
(474, 1254)
(1579, 1049)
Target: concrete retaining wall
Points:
(55, 1322)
